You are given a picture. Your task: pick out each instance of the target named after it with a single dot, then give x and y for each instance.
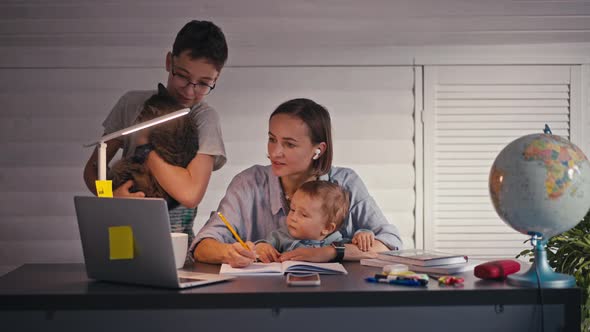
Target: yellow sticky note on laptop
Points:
(104, 188)
(121, 242)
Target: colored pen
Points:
(404, 282)
(232, 230)
(406, 275)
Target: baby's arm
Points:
(363, 239)
(266, 253)
(266, 250)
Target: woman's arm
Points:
(353, 253)
(366, 214)
(214, 252)
(212, 243)
(327, 254)
(186, 185)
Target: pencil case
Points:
(497, 270)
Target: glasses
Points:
(183, 81)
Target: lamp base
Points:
(547, 278)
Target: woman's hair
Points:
(335, 200)
(317, 119)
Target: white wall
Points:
(64, 64)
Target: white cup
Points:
(180, 247)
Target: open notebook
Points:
(284, 267)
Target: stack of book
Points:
(423, 261)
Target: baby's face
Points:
(306, 220)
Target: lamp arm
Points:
(102, 145)
(140, 126)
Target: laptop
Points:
(152, 261)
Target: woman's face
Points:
(289, 145)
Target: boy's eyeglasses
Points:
(200, 88)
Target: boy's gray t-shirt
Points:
(203, 117)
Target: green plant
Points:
(569, 252)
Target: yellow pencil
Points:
(232, 230)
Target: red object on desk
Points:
(450, 281)
(496, 269)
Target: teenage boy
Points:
(198, 55)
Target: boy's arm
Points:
(186, 185)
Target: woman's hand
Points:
(238, 256)
(318, 255)
(266, 253)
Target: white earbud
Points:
(317, 154)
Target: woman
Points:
(257, 200)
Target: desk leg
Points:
(573, 314)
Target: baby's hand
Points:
(266, 253)
(363, 240)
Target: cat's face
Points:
(150, 112)
(159, 104)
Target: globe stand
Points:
(546, 276)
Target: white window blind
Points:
(43, 157)
(470, 114)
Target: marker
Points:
(395, 268)
(404, 282)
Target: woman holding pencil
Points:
(257, 200)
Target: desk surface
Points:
(66, 286)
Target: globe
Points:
(540, 185)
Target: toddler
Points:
(317, 211)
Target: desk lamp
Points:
(102, 145)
